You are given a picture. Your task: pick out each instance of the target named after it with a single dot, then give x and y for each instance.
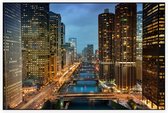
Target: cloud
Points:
(81, 21)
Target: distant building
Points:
(69, 54)
(73, 42)
(139, 47)
(106, 45)
(87, 53)
(12, 55)
(35, 41)
(125, 45)
(153, 80)
(90, 54)
(96, 54)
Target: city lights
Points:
(97, 57)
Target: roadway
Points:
(48, 91)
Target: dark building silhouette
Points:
(63, 53)
(125, 45)
(153, 79)
(106, 45)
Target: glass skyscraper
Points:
(153, 79)
(139, 47)
(73, 42)
(12, 56)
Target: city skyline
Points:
(42, 70)
(84, 20)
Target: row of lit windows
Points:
(151, 12)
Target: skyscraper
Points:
(73, 42)
(12, 56)
(139, 47)
(90, 54)
(125, 45)
(153, 79)
(139, 35)
(84, 54)
(106, 45)
(69, 50)
(62, 44)
(35, 42)
(55, 40)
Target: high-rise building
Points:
(62, 44)
(84, 54)
(90, 54)
(139, 36)
(69, 50)
(73, 42)
(153, 79)
(139, 47)
(55, 39)
(125, 45)
(87, 53)
(12, 56)
(35, 41)
(106, 45)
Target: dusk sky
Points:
(81, 21)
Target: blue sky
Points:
(81, 21)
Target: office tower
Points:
(153, 79)
(69, 54)
(84, 54)
(35, 42)
(53, 45)
(125, 45)
(12, 56)
(73, 42)
(90, 53)
(139, 47)
(62, 44)
(106, 45)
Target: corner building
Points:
(125, 45)
(106, 48)
(153, 79)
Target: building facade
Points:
(90, 54)
(125, 45)
(153, 79)
(69, 50)
(106, 45)
(35, 41)
(73, 42)
(12, 55)
(139, 47)
(63, 56)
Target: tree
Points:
(47, 105)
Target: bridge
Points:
(85, 79)
(93, 96)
